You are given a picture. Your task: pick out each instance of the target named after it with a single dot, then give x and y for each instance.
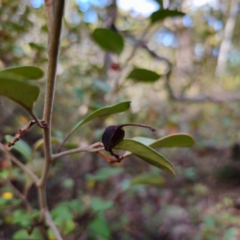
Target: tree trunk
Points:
(226, 41)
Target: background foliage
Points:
(132, 200)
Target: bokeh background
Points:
(91, 199)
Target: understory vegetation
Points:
(117, 124)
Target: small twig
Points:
(40, 123)
(21, 132)
(92, 148)
(109, 158)
(52, 225)
(117, 84)
(63, 142)
(21, 165)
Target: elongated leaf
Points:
(116, 108)
(173, 140)
(39, 47)
(147, 179)
(20, 146)
(99, 204)
(26, 72)
(23, 92)
(161, 14)
(108, 40)
(143, 75)
(144, 140)
(146, 153)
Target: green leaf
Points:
(61, 213)
(23, 92)
(100, 228)
(161, 14)
(146, 153)
(38, 47)
(98, 204)
(147, 179)
(173, 140)
(23, 234)
(108, 40)
(116, 108)
(22, 218)
(26, 72)
(143, 75)
(20, 146)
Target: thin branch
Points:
(139, 43)
(63, 142)
(40, 123)
(50, 85)
(92, 148)
(109, 158)
(55, 24)
(53, 51)
(21, 132)
(20, 165)
(49, 10)
(224, 97)
(52, 225)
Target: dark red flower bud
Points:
(115, 67)
(114, 134)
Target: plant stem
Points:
(91, 148)
(39, 122)
(55, 24)
(49, 10)
(52, 224)
(138, 125)
(53, 51)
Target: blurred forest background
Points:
(198, 92)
